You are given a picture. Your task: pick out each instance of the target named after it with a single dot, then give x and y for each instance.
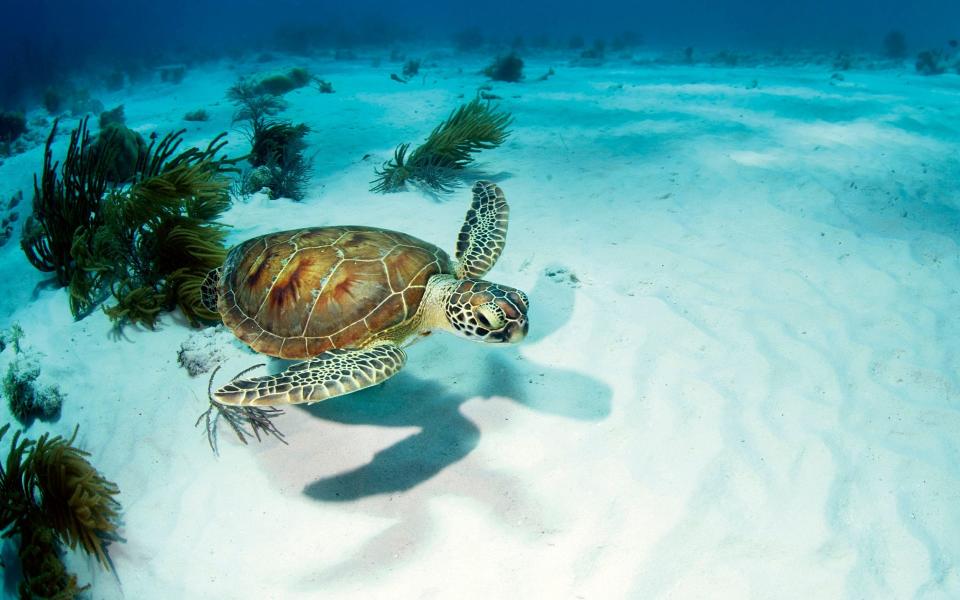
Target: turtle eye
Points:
(489, 318)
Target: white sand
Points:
(751, 391)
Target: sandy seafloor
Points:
(748, 388)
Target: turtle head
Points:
(488, 312)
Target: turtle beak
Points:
(516, 331)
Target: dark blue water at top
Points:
(44, 39)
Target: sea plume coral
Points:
(149, 244)
(277, 146)
(76, 500)
(449, 148)
(160, 237)
(66, 203)
(505, 68)
(50, 494)
(12, 126)
(930, 62)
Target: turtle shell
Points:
(295, 294)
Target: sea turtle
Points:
(347, 299)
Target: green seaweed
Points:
(44, 574)
(113, 116)
(66, 206)
(76, 500)
(273, 139)
(51, 496)
(277, 146)
(124, 146)
(449, 148)
(197, 115)
(149, 244)
(278, 84)
(12, 126)
(254, 106)
(505, 68)
(160, 237)
(277, 155)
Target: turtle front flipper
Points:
(333, 373)
(484, 231)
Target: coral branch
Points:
(448, 149)
(245, 421)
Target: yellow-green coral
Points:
(50, 494)
(65, 202)
(161, 235)
(44, 574)
(76, 500)
(278, 84)
(145, 244)
(450, 147)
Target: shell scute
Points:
(295, 294)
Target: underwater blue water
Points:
(41, 40)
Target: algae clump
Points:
(50, 495)
(148, 244)
(449, 148)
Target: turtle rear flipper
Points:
(484, 231)
(333, 373)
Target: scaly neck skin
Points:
(434, 303)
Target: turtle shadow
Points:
(398, 482)
(445, 434)
(553, 316)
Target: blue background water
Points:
(45, 39)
